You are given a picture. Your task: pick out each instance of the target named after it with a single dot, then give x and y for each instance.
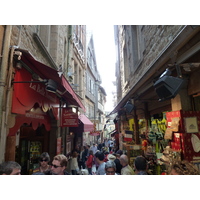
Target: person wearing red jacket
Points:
(90, 161)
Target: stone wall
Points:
(22, 36)
(156, 39)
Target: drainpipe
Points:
(62, 132)
(69, 50)
(3, 75)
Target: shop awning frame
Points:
(45, 72)
(87, 124)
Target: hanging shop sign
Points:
(95, 133)
(69, 118)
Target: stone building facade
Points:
(94, 93)
(137, 57)
(144, 52)
(137, 71)
(45, 51)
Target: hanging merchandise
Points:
(184, 139)
(35, 151)
(154, 126)
(131, 124)
(159, 136)
(152, 137)
(128, 136)
(168, 134)
(173, 126)
(195, 143)
(144, 144)
(169, 156)
(161, 124)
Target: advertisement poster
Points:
(191, 125)
(68, 147)
(69, 118)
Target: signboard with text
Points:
(69, 118)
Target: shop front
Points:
(166, 94)
(38, 97)
(81, 133)
(151, 142)
(166, 126)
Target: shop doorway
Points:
(31, 144)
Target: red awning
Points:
(88, 125)
(31, 118)
(46, 72)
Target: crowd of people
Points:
(94, 160)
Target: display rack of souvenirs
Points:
(132, 150)
(169, 156)
(35, 151)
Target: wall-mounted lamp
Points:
(71, 133)
(51, 85)
(129, 107)
(167, 87)
(74, 110)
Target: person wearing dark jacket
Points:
(140, 166)
(82, 158)
(99, 146)
(44, 163)
(118, 164)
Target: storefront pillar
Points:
(182, 101)
(53, 139)
(147, 116)
(10, 148)
(136, 128)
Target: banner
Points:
(69, 118)
(128, 136)
(95, 133)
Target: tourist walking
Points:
(82, 158)
(90, 161)
(10, 168)
(44, 166)
(74, 163)
(59, 165)
(126, 168)
(100, 160)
